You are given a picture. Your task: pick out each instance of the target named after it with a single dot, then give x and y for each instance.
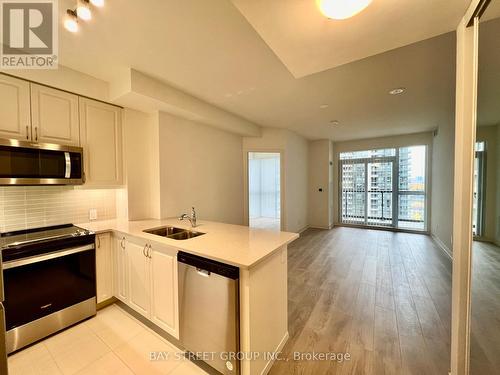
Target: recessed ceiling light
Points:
(334, 122)
(341, 9)
(323, 106)
(397, 91)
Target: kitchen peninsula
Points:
(140, 264)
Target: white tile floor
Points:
(111, 343)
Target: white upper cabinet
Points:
(101, 139)
(14, 108)
(54, 116)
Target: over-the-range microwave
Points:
(29, 163)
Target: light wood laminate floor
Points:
(382, 297)
(485, 323)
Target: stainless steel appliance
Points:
(49, 281)
(27, 163)
(3, 350)
(209, 310)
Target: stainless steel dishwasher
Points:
(209, 311)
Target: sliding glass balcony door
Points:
(371, 195)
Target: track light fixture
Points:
(82, 11)
(71, 21)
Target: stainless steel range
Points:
(49, 281)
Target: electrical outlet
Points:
(92, 214)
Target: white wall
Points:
(320, 177)
(442, 184)
(140, 140)
(200, 166)
(295, 191)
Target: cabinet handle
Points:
(144, 250)
(98, 242)
(122, 243)
(36, 134)
(149, 252)
(27, 132)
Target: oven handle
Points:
(44, 257)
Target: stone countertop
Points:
(237, 245)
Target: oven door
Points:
(40, 285)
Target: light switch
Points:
(92, 214)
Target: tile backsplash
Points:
(23, 207)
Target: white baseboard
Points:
(320, 227)
(300, 231)
(442, 246)
(279, 348)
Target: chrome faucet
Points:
(192, 218)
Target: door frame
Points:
(246, 198)
(465, 140)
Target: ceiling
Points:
(209, 49)
(307, 42)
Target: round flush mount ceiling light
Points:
(334, 122)
(341, 9)
(397, 91)
(71, 21)
(83, 10)
(323, 106)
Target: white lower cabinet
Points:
(104, 267)
(121, 268)
(139, 278)
(146, 280)
(164, 289)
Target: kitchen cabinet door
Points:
(164, 300)
(15, 121)
(139, 278)
(54, 116)
(121, 269)
(104, 267)
(101, 139)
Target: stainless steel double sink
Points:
(173, 232)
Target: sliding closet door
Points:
(485, 264)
